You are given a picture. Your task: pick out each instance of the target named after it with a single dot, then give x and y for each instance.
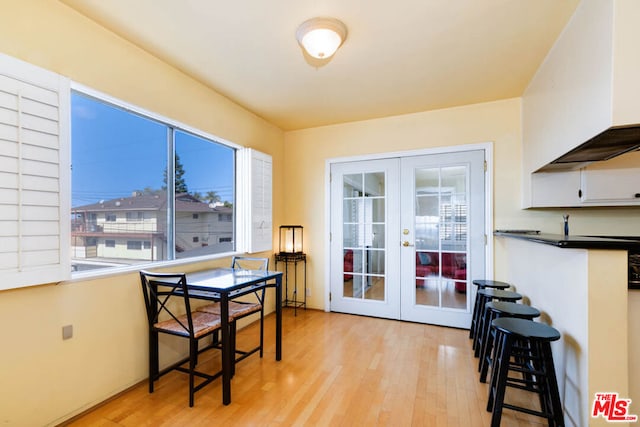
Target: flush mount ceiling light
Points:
(321, 37)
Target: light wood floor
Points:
(427, 294)
(337, 370)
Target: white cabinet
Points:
(615, 182)
(611, 187)
(612, 183)
(555, 189)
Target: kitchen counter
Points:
(573, 242)
(580, 284)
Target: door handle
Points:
(406, 243)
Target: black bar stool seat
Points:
(495, 284)
(495, 310)
(524, 346)
(483, 284)
(483, 297)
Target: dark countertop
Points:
(574, 242)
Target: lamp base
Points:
(290, 256)
(293, 299)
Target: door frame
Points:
(488, 205)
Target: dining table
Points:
(223, 285)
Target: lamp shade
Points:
(321, 37)
(290, 239)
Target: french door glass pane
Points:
(378, 238)
(363, 239)
(441, 236)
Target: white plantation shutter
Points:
(260, 236)
(34, 175)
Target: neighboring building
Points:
(131, 230)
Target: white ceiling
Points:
(400, 56)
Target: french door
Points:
(364, 221)
(407, 236)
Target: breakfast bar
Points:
(580, 285)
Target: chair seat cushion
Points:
(236, 309)
(203, 324)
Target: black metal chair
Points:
(240, 309)
(166, 298)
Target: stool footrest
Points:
(526, 410)
(524, 385)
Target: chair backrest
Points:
(157, 289)
(250, 263)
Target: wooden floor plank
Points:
(336, 370)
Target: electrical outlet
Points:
(67, 332)
(308, 292)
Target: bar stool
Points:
(483, 284)
(528, 342)
(484, 296)
(495, 310)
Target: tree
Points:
(212, 197)
(180, 185)
(148, 191)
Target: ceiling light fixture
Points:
(321, 37)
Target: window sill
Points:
(117, 271)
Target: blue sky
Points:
(115, 152)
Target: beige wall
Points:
(306, 152)
(43, 378)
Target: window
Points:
(225, 217)
(134, 245)
(121, 169)
(134, 216)
(121, 162)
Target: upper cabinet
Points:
(614, 182)
(588, 83)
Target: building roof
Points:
(152, 202)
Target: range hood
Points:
(606, 145)
(583, 104)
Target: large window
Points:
(144, 190)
